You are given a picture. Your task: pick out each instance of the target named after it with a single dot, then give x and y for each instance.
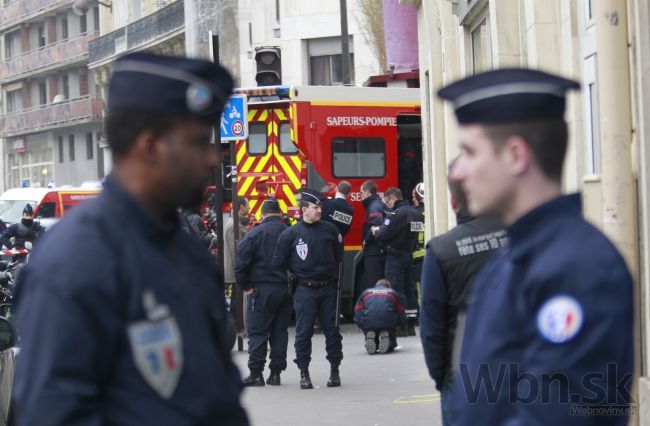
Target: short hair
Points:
(369, 186)
(547, 140)
(455, 187)
(344, 187)
(271, 206)
(124, 126)
(393, 191)
(242, 202)
(384, 283)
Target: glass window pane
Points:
(257, 139)
(286, 146)
(480, 51)
(595, 130)
(319, 71)
(337, 69)
(358, 158)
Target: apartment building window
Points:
(65, 86)
(64, 28)
(593, 160)
(325, 61)
(12, 101)
(96, 19)
(60, 149)
(83, 24)
(42, 93)
(9, 45)
(89, 146)
(71, 147)
(480, 44)
(42, 41)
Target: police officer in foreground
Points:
(269, 302)
(133, 332)
(338, 210)
(452, 259)
(27, 230)
(312, 250)
(399, 241)
(374, 261)
(553, 315)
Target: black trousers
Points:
(267, 320)
(374, 265)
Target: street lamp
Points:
(80, 7)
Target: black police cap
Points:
(508, 95)
(312, 196)
(172, 85)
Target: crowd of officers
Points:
(311, 251)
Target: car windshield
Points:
(11, 211)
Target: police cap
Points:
(508, 95)
(172, 85)
(312, 196)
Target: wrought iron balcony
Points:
(45, 58)
(156, 26)
(16, 11)
(47, 117)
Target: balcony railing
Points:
(51, 116)
(18, 11)
(152, 27)
(47, 57)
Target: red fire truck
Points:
(309, 136)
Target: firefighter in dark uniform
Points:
(553, 316)
(312, 251)
(396, 234)
(134, 332)
(338, 210)
(411, 288)
(27, 230)
(374, 260)
(452, 259)
(269, 302)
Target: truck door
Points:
(409, 162)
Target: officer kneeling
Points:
(312, 250)
(269, 307)
(378, 312)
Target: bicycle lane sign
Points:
(234, 121)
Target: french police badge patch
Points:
(158, 353)
(302, 249)
(560, 319)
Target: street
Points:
(377, 390)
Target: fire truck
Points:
(316, 136)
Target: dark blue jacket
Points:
(396, 232)
(255, 255)
(380, 308)
(132, 334)
(557, 305)
(21, 234)
(340, 213)
(375, 213)
(312, 251)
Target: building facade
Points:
(602, 43)
(50, 121)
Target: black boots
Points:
(305, 380)
(335, 378)
(274, 378)
(255, 379)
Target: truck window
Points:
(257, 142)
(47, 210)
(358, 157)
(286, 146)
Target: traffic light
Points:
(269, 66)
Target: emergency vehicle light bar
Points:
(279, 91)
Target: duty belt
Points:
(316, 283)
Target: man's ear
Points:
(517, 155)
(147, 147)
(454, 203)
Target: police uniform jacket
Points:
(396, 230)
(132, 333)
(21, 234)
(380, 308)
(340, 213)
(375, 212)
(255, 255)
(311, 251)
(452, 259)
(558, 301)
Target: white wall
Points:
(81, 169)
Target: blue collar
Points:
(540, 223)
